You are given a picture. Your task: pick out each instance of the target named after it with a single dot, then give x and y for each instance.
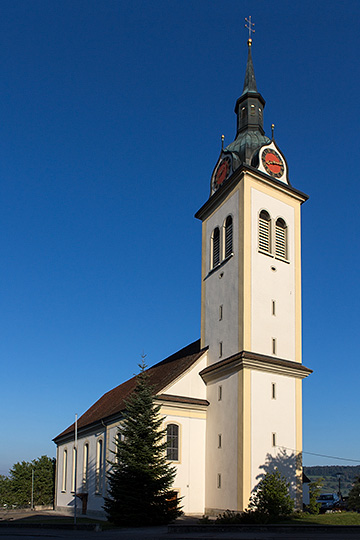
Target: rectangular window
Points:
(219, 481)
(220, 393)
(273, 307)
(273, 439)
(220, 349)
(64, 470)
(273, 390)
(220, 312)
(274, 345)
(219, 440)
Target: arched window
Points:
(172, 437)
(215, 247)
(86, 466)
(73, 472)
(228, 236)
(64, 470)
(281, 239)
(99, 466)
(264, 232)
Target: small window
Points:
(219, 440)
(220, 349)
(64, 470)
(274, 345)
(220, 312)
(220, 393)
(215, 247)
(172, 437)
(264, 232)
(228, 236)
(86, 466)
(252, 110)
(273, 439)
(273, 390)
(219, 481)
(273, 307)
(99, 466)
(281, 239)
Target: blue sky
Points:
(111, 115)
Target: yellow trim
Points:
(244, 439)
(298, 420)
(183, 413)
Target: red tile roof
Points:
(160, 375)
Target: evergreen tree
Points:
(271, 497)
(354, 496)
(140, 478)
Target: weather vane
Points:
(249, 25)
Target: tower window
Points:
(273, 307)
(264, 232)
(273, 390)
(252, 110)
(220, 393)
(280, 239)
(220, 312)
(273, 439)
(172, 438)
(228, 236)
(219, 481)
(274, 345)
(219, 440)
(215, 247)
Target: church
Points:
(232, 401)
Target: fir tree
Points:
(140, 478)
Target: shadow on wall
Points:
(288, 465)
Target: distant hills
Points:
(330, 473)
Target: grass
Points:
(336, 518)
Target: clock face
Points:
(273, 163)
(222, 172)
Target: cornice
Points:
(254, 361)
(215, 199)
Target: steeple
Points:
(249, 110)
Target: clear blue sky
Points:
(111, 114)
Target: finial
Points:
(222, 142)
(272, 131)
(249, 25)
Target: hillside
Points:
(330, 474)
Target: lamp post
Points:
(339, 492)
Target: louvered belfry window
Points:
(216, 247)
(280, 239)
(264, 232)
(228, 236)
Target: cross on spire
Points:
(250, 26)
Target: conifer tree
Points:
(140, 478)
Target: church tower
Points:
(251, 312)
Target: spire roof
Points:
(250, 81)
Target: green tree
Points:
(315, 488)
(354, 496)
(5, 491)
(271, 498)
(140, 478)
(20, 482)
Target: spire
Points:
(250, 82)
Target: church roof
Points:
(160, 376)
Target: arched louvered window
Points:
(228, 236)
(172, 437)
(215, 247)
(264, 232)
(281, 239)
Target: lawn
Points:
(336, 518)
